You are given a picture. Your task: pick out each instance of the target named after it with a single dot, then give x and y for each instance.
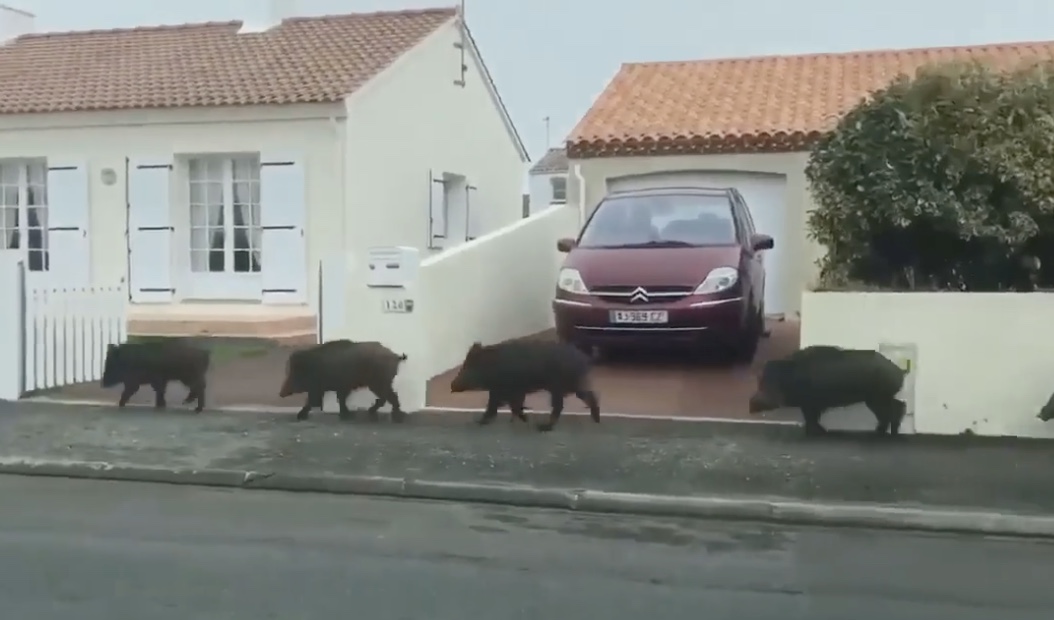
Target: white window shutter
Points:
(150, 229)
(283, 218)
(68, 215)
(436, 210)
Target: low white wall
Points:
(494, 288)
(350, 309)
(985, 361)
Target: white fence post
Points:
(12, 320)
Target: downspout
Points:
(581, 196)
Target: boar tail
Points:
(402, 358)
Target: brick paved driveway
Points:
(660, 386)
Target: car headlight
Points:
(571, 281)
(720, 279)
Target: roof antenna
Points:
(547, 142)
(461, 44)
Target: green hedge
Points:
(943, 181)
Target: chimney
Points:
(15, 23)
(262, 15)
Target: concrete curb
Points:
(771, 510)
(432, 411)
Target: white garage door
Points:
(765, 195)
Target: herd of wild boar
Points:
(813, 379)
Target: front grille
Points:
(626, 289)
(655, 294)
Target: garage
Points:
(764, 194)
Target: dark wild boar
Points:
(343, 366)
(155, 363)
(510, 371)
(819, 378)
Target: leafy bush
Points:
(944, 181)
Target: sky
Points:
(553, 57)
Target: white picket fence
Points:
(53, 337)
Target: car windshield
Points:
(660, 220)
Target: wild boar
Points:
(509, 371)
(155, 363)
(343, 366)
(819, 378)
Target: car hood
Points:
(649, 266)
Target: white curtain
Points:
(199, 232)
(243, 257)
(247, 232)
(217, 234)
(10, 226)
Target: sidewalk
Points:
(681, 469)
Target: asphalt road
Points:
(120, 551)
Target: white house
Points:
(213, 165)
(547, 182)
(747, 123)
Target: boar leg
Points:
(342, 405)
(883, 413)
(900, 409)
(516, 407)
(812, 421)
(314, 399)
(196, 393)
(159, 393)
(557, 400)
(128, 392)
(491, 412)
(589, 397)
(387, 395)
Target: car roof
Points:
(687, 189)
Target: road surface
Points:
(121, 551)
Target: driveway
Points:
(666, 385)
(243, 372)
(249, 372)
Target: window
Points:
(24, 211)
(559, 185)
(225, 229)
(659, 220)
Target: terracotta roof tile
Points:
(554, 161)
(772, 103)
(305, 59)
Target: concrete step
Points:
(294, 328)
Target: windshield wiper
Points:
(655, 244)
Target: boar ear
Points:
(111, 348)
(475, 348)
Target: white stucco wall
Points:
(541, 191)
(103, 140)
(413, 119)
(984, 362)
(802, 251)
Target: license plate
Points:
(648, 317)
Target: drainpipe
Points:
(581, 196)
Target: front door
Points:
(226, 236)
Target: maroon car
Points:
(671, 266)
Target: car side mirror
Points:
(566, 245)
(762, 242)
